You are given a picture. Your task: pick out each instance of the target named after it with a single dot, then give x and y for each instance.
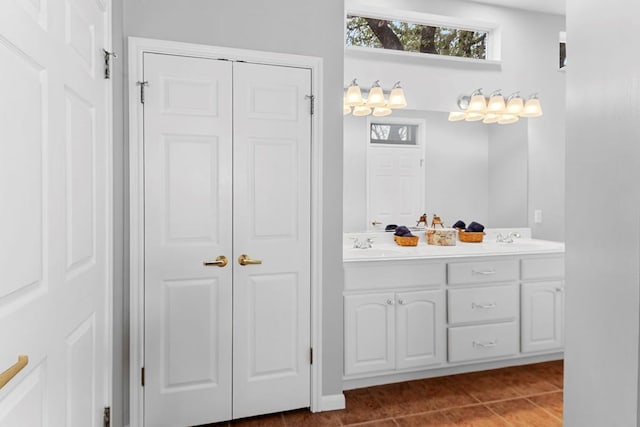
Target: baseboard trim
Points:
(350, 383)
(332, 402)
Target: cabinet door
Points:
(542, 316)
(369, 333)
(419, 329)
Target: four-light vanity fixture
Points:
(495, 108)
(375, 103)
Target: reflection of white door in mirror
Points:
(395, 171)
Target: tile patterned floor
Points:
(527, 396)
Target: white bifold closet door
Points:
(227, 173)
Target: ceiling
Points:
(557, 7)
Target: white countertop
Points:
(384, 248)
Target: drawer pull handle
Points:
(484, 306)
(402, 301)
(488, 344)
(559, 290)
(389, 301)
(484, 272)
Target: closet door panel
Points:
(188, 216)
(272, 211)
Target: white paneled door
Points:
(188, 218)
(272, 220)
(395, 184)
(227, 239)
(55, 198)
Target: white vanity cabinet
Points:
(542, 304)
(420, 317)
(394, 316)
(369, 334)
(393, 330)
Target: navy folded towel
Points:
(403, 231)
(390, 227)
(475, 227)
(459, 224)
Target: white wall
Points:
(508, 175)
(288, 26)
(456, 170)
(603, 172)
(529, 64)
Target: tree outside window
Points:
(405, 36)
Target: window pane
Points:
(401, 35)
(386, 133)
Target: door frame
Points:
(137, 48)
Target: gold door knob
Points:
(221, 261)
(13, 370)
(246, 260)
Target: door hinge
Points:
(107, 62)
(142, 376)
(311, 356)
(142, 86)
(106, 416)
(312, 103)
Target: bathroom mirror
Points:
(457, 170)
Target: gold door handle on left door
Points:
(7, 375)
(246, 260)
(221, 261)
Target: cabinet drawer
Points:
(482, 272)
(543, 268)
(389, 275)
(482, 341)
(480, 304)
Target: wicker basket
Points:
(407, 240)
(470, 236)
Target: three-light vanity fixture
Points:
(495, 108)
(375, 103)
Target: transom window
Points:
(396, 134)
(394, 34)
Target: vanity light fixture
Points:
(496, 103)
(532, 107)
(361, 110)
(376, 104)
(495, 108)
(477, 103)
(376, 96)
(353, 96)
(396, 97)
(514, 104)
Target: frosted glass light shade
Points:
(506, 119)
(477, 104)
(381, 111)
(514, 106)
(532, 108)
(361, 110)
(353, 96)
(396, 98)
(376, 96)
(346, 109)
(474, 117)
(491, 118)
(496, 104)
(456, 116)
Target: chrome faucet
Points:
(362, 244)
(500, 238)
